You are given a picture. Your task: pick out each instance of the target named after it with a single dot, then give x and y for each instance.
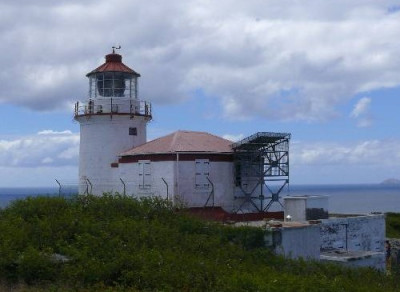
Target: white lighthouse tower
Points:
(112, 120)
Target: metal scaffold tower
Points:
(261, 169)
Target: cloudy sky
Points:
(326, 71)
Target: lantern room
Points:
(113, 89)
(113, 79)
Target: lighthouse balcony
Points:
(112, 106)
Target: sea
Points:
(347, 199)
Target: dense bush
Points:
(393, 225)
(117, 243)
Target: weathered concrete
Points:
(356, 258)
(295, 240)
(358, 233)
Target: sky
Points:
(328, 72)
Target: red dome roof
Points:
(113, 64)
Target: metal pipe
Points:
(167, 188)
(87, 188)
(91, 186)
(111, 109)
(177, 174)
(211, 194)
(123, 183)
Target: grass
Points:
(393, 225)
(118, 243)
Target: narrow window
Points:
(144, 174)
(202, 171)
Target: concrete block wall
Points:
(299, 242)
(360, 233)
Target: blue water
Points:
(354, 199)
(349, 199)
(8, 195)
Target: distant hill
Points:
(391, 181)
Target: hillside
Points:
(391, 181)
(116, 243)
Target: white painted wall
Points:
(180, 177)
(300, 242)
(102, 139)
(129, 172)
(221, 175)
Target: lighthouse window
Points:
(144, 174)
(119, 84)
(111, 84)
(132, 131)
(202, 171)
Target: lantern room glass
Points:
(112, 84)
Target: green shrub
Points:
(393, 225)
(118, 243)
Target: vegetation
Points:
(117, 243)
(393, 225)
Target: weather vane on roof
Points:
(116, 48)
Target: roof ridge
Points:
(174, 138)
(184, 141)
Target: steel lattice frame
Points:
(261, 160)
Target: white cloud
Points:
(361, 112)
(371, 152)
(46, 148)
(51, 132)
(362, 107)
(233, 138)
(290, 60)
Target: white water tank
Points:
(304, 208)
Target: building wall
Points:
(298, 242)
(180, 177)
(221, 175)
(129, 173)
(364, 233)
(102, 138)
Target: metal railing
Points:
(113, 106)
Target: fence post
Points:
(59, 188)
(167, 188)
(91, 187)
(123, 183)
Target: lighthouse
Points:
(112, 120)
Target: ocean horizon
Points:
(343, 198)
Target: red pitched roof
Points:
(183, 141)
(113, 64)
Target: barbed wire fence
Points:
(160, 188)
